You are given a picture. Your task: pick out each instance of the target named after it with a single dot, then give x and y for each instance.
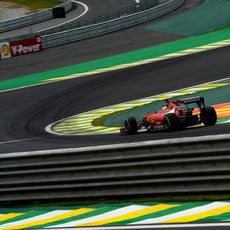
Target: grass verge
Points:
(34, 5)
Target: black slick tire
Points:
(131, 126)
(208, 116)
(172, 122)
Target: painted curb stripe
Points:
(9, 216)
(20, 223)
(113, 213)
(184, 214)
(181, 207)
(202, 215)
(117, 215)
(96, 211)
(130, 215)
(24, 216)
(51, 219)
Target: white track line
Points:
(82, 14)
(117, 146)
(20, 140)
(205, 225)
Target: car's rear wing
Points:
(199, 100)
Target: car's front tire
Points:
(172, 122)
(131, 126)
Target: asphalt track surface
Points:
(25, 113)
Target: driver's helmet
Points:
(167, 103)
(170, 104)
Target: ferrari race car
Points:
(175, 115)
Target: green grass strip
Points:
(130, 57)
(34, 5)
(208, 16)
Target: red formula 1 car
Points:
(175, 115)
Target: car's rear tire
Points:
(208, 116)
(131, 126)
(172, 122)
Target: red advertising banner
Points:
(21, 47)
(26, 46)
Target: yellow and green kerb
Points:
(122, 214)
